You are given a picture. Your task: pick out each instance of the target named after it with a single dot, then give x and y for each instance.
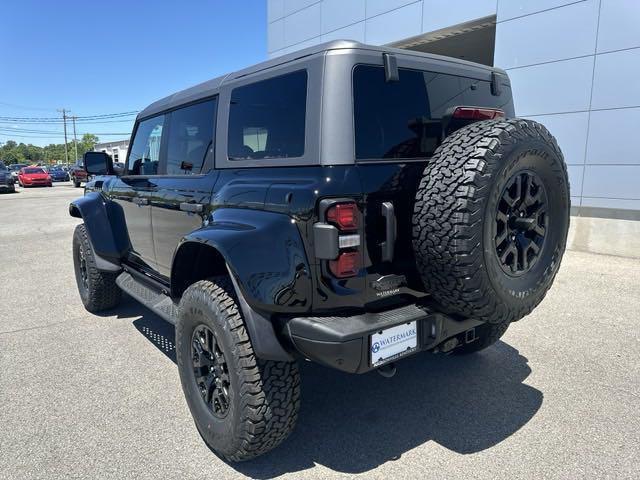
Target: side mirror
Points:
(98, 163)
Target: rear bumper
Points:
(344, 342)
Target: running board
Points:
(156, 301)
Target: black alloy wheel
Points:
(521, 223)
(210, 371)
(84, 271)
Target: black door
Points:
(134, 190)
(181, 198)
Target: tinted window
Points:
(403, 119)
(33, 170)
(267, 118)
(190, 138)
(144, 155)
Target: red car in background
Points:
(78, 174)
(33, 177)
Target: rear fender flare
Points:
(265, 255)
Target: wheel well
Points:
(193, 262)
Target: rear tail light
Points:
(341, 240)
(346, 265)
(343, 215)
(474, 113)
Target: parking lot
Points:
(99, 396)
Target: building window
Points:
(115, 155)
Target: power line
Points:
(8, 133)
(80, 118)
(51, 132)
(89, 122)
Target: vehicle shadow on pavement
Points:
(354, 423)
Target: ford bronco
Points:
(346, 204)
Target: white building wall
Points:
(296, 24)
(574, 66)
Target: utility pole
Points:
(75, 139)
(64, 120)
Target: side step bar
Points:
(156, 301)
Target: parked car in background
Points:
(77, 173)
(14, 169)
(58, 174)
(34, 177)
(7, 183)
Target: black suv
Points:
(346, 204)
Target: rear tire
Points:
(476, 256)
(98, 289)
(241, 405)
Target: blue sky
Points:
(100, 57)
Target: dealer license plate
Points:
(393, 343)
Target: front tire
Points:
(242, 406)
(98, 289)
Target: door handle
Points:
(191, 207)
(390, 230)
(140, 201)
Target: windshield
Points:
(16, 167)
(3, 168)
(33, 170)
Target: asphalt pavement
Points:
(86, 396)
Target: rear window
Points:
(403, 119)
(267, 118)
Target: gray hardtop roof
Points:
(211, 87)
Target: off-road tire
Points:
(99, 291)
(264, 396)
(456, 208)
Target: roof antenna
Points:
(391, 73)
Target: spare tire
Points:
(490, 219)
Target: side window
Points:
(403, 119)
(267, 118)
(190, 137)
(144, 156)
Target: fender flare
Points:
(99, 216)
(266, 260)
